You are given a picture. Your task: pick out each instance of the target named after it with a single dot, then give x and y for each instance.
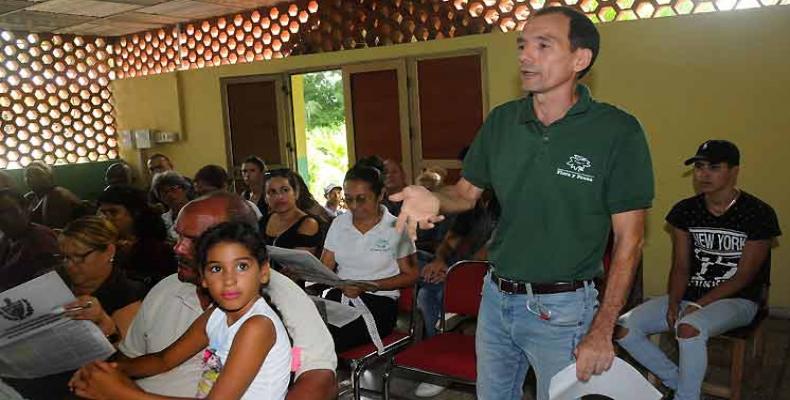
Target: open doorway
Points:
(320, 129)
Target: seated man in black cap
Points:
(721, 241)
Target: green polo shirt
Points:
(559, 185)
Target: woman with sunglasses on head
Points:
(363, 245)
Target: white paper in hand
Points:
(37, 340)
(303, 264)
(621, 382)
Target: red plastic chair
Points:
(360, 357)
(447, 355)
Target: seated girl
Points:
(248, 354)
(364, 245)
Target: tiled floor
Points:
(770, 381)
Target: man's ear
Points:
(582, 59)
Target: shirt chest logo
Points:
(380, 245)
(577, 164)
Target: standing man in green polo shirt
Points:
(568, 170)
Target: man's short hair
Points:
(118, 173)
(255, 160)
(582, 33)
(213, 175)
(159, 155)
(169, 178)
(40, 165)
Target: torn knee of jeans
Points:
(686, 331)
(620, 332)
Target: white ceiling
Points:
(112, 18)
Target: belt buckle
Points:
(507, 285)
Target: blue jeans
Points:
(429, 302)
(512, 337)
(430, 297)
(650, 318)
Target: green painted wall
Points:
(85, 180)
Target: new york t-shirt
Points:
(717, 242)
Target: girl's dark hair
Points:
(367, 174)
(147, 222)
(231, 232)
(255, 160)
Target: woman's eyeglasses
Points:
(75, 258)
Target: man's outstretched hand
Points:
(420, 207)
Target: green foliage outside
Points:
(327, 153)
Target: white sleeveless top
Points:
(271, 382)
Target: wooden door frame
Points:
(399, 65)
(284, 117)
(414, 92)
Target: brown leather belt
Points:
(518, 287)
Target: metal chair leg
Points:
(386, 380)
(356, 385)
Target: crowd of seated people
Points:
(218, 273)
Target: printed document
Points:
(303, 264)
(36, 339)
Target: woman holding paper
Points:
(364, 245)
(104, 294)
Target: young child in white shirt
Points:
(245, 345)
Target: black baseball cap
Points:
(717, 151)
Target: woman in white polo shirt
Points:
(363, 245)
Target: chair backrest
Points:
(406, 299)
(463, 287)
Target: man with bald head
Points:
(174, 303)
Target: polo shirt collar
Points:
(187, 293)
(581, 106)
